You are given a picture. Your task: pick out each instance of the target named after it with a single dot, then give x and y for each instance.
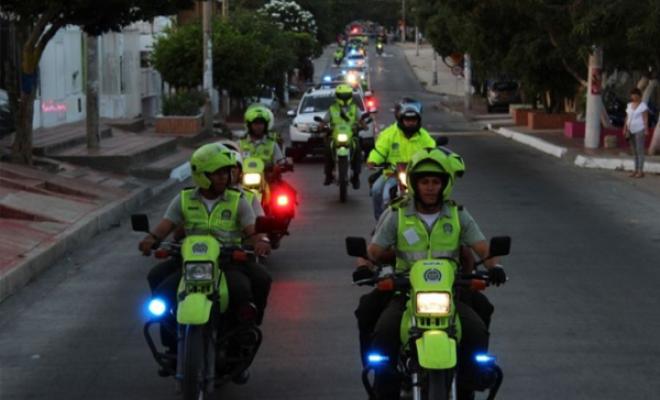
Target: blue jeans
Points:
(380, 193)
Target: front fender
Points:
(195, 309)
(343, 152)
(436, 350)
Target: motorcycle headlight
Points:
(251, 179)
(199, 271)
(435, 303)
(342, 138)
(403, 177)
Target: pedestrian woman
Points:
(637, 123)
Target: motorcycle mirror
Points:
(318, 119)
(269, 225)
(442, 141)
(500, 246)
(291, 113)
(140, 222)
(356, 247)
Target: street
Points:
(577, 319)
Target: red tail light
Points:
(161, 253)
(282, 200)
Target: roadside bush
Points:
(183, 103)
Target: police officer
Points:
(396, 144)
(344, 111)
(260, 140)
(426, 223)
(212, 207)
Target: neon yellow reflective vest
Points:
(336, 120)
(393, 147)
(265, 149)
(222, 223)
(414, 242)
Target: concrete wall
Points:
(120, 75)
(61, 98)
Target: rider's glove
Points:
(496, 276)
(362, 272)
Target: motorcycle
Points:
(213, 345)
(430, 330)
(343, 146)
(379, 48)
(278, 198)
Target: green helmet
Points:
(432, 161)
(344, 94)
(258, 111)
(208, 159)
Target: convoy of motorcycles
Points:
(215, 347)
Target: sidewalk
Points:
(552, 142)
(61, 202)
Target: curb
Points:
(539, 144)
(43, 255)
(620, 164)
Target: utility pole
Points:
(416, 41)
(467, 73)
(403, 21)
(208, 65)
(225, 9)
(435, 67)
(594, 102)
(92, 92)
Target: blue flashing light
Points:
(343, 72)
(351, 63)
(327, 78)
(375, 358)
(157, 307)
(484, 359)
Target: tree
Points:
(177, 56)
(39, 20)
(289, 16)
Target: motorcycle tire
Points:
(342, 166)
(193, 385)
(438, 385)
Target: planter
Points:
(520, 115)
(574, 129)
(541, 120)
(179, 125)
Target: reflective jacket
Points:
(223, 222)
(393, 147)
(264, 149)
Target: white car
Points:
(303, 130)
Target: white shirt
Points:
(636, 117)
(429, 219)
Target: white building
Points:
(129, 87)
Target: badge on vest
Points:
(411, 236)
(432, 275)
(200, 248)
(448, 228)
(395, 146)
(226, 215)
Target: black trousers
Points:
(356, 154)
(247, 283)
(379, 320)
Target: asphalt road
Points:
(577, 320)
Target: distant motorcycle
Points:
(379, 48)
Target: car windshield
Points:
(356, 57)
(315, 104)
(505, 86)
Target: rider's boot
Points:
(355, 181)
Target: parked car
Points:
(304, 132)
(6, 119)
(501, 93)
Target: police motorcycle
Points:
(343, 145)
(213, 345)
(278, 198)
(379, 48)
(430, 327)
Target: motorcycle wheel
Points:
(342, 166)
(193, 386)
(438, 385)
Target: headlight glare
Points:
(435, 303)
(251, 179)
(342, 138)
(199, 271)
